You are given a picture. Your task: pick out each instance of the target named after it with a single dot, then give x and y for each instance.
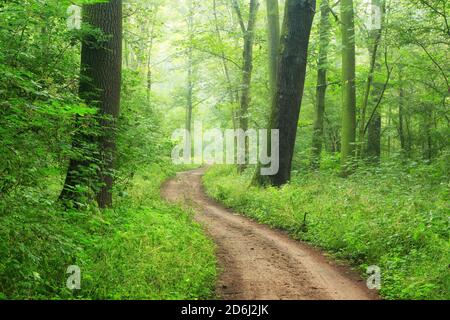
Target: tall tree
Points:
(233, 94)
(151, 34)
(373, 150)
(190, 69)
(273, 37)
(401, 114)
(100, 82)
(273, 32)
(247, 67)
(324, 30)
(348, 86)
(373, 49)
(298, 18)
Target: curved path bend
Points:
(259, 263)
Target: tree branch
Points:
(240, 18)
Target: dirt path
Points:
(260, 263)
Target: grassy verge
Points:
(397, 220)
(141, 249)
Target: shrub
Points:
(390, 217)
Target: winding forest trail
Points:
(260, 263)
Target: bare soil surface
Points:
(259, 263)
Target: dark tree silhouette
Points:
(100, 81)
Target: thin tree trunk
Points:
(401, 131)
(408, 134)
(233, 94)
(247, 68)
(374, 42)
(298, 18)
(389, 147)
(189, 78)
(226, 70)
(149, 72)
(149, 55)
(349, 89)
(273, 38)
(100, 82)
(190, 84)
(321, 90)
(428, 143)
(334, 135)
(126, 61)
(190, 89)
(373, 151)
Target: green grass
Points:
(144, 248)
(397, 220)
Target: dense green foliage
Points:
(141, 248)
(37, 92)
(393, 212)
(395, 217)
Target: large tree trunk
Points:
(348, 87)
(317, 141)
(273, 31)
(100, 82)
(298, 18)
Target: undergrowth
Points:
(393, 217)
(143, 248)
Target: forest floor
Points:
(258, 262)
